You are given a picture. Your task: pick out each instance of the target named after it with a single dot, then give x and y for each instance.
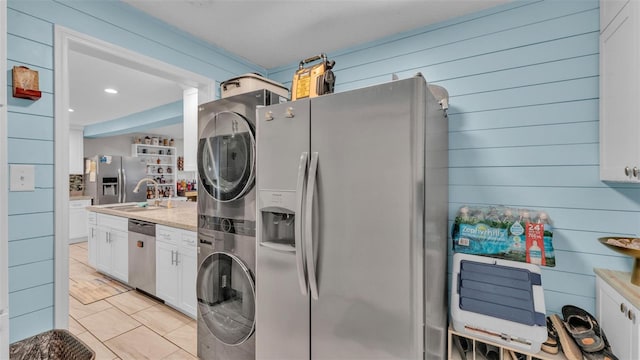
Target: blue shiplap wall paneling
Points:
(31, 323)
(31, 132)
(30, 251)
(523, 123)
(31, 126)
(24, 301)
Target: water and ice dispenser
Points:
(277, 218)
(278, 227)
(109, 186)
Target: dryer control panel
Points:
(208, 224)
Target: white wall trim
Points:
(190, 129)
(64, 41)
(61, 179)
(4, 190)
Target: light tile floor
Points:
(128, 325)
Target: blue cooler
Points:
(498, 300)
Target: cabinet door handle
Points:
(172, 262)
(631, 315)
(635, 171)
(623, 308)
(176, 257)
(626, 170)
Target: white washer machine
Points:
(226, 225)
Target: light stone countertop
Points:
(79, 197)
(620, 281)
(183, 214)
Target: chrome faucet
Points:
(144, 180)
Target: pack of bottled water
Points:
(507, 233)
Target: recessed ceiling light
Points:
(110, 91)
(71, 110)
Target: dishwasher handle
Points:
(142, 227)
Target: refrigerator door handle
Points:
(308, 238)
(124, 183)
(298, 231)
(119, 184)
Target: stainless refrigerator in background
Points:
(111, 179)
(352, 226)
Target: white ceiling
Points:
(269, 33)
(137, 91)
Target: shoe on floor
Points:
(584, 329)
(552, 345)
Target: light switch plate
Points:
(22, 178)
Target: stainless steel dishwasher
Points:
(142, 255)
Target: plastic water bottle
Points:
(517, 236)
(463, 215)
(476, 216)
(547, 244)
(543, 218)
(493, 218)
(507, 218)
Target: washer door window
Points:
(226, 298)
(226, 157)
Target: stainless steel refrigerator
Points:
(352, 226)
(111, 179)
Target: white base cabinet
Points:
(92, 237)
(617, 315)
(176, 268)
(166, 271)
(78, 220)
(112, 256)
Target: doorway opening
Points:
(197, 89)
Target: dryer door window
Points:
(226, 298)
(226, 157)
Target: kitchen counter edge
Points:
(182, 216)
(79, 197)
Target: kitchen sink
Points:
(138, 208)
(135, 208)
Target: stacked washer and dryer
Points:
(226, 225)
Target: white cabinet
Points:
(619, 91)
(618, 317)
(113, 249)
(166, 268)
(176, 268)
(78, 220)
(92, 236)
(161, 165)
(188, 272)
